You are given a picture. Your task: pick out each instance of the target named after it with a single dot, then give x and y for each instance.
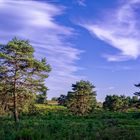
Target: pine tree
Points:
(25, 75)
(82, 99)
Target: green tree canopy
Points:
(116, 103)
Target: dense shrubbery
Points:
(63, 126)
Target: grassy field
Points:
(54, 123)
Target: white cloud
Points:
(120, 28)
(35, 21)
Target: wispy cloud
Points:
(109, 88)
(35, 20)
(117, 68)
(81, 2)
(119, 28)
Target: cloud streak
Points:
(120, 28)
(35, 21)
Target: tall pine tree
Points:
(21, 74)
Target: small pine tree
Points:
(82, 99)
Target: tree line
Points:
(112, 102)
(22, 84)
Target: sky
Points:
(95, 40)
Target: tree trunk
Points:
(15, 108)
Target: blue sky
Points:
(95, 40)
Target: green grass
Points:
(57, 124)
